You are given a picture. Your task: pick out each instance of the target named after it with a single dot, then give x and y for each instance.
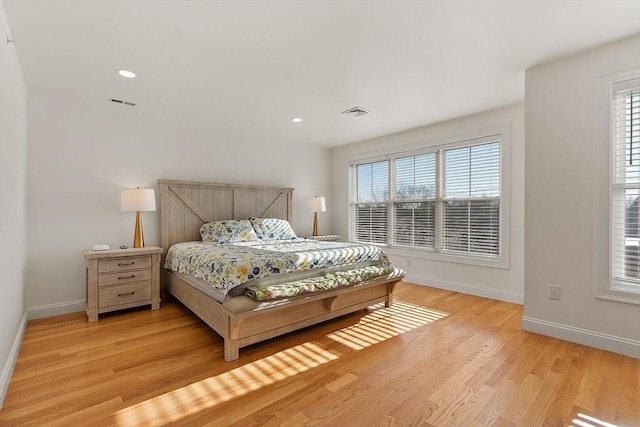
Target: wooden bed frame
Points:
(186, 205)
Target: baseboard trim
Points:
(599, 340)
(56, 309)
(7, 371)
(466, 288)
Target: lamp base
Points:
(315, 224)
(138, 238)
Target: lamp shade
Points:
(140, 199)
(317, 204)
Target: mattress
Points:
(226, 270)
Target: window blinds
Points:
(472, 200)
(414, 206)
(444, 200)
(625, 185)
(372, 193)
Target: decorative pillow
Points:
(273, 228)
(228, 231)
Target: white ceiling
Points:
(253, 65)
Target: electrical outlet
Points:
(409, 262)
(554, 292)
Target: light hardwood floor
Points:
(436, 358)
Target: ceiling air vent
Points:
(356, 111)
(118, 101)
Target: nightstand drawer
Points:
(124, 264)
(126, 276)
(125, 294)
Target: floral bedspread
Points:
(323, 282)
(229, 265)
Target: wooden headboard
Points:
(186, 205)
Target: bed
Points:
(186, 207)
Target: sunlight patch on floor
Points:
(583, 420)
(212, 391)
(385, 323)
(377, 326)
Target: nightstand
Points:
(122, 278)
(327, 238)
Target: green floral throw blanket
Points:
(316, 284)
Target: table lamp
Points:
(136, 201)
(316, 204)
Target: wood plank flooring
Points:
(436, 358)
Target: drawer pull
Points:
(126, 277)
(120, 264)
(127, 294)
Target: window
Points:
(372, 196)
(414, 205)
(625, 185)
(618, 195)
(442, 200)
(472, 200)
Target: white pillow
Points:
(273, 229)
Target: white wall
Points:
(497, 283)
(83, 152)
(13, 223)
(560, 228)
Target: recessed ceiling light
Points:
(296, 119)
(126, 73)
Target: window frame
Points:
(604, 287)
(438, 146)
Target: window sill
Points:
(502, 263)
(626, 297)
